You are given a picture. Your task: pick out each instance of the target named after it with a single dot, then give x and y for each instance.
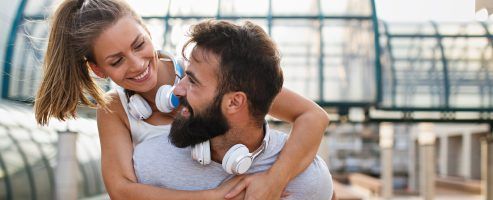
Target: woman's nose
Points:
(137, 63)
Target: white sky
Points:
(426, 10)
(388, 10)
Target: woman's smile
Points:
(144, 75)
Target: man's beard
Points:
(198, 127)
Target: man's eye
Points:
(191, 81)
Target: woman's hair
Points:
(66, 81)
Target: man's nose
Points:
(179, 89)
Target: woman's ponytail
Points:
(66, 81)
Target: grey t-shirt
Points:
(158, 162)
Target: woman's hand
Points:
(263, 185)
(221, 191)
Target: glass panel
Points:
(470, 49)
(38, 8)
(176, 35)
(6, 121)
(37, 165)
(462, 29)
(348, 61)
(157, 28)
(299, 54)
(3, 183)
(5, 142)
(15, 167)
(8, 11)
(411, 28)
(413, 72)
(27, 59)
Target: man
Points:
(232, 79)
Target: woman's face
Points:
(124, 53)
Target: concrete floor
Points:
(441, 194)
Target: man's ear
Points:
(97, 70)
(235, 101)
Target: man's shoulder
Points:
(277, 138)
(313, 183)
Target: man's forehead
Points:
(203, 61)
(201, 58)
(200, 55)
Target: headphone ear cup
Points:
(166, 101)
(202, 153)
(206, 152)
(138, 107)
(237, 159)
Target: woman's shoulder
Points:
(113, 106)
(113, 102)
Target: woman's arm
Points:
(117, 165)
(309, 122)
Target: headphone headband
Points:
(265, 141)
(177, 65)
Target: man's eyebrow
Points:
(133, 44)
(192, 75)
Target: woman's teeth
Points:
(139, 77)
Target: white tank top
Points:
(139, 129)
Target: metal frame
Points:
(379, 53)
(9, 50)
(27, 166)
(8, 182)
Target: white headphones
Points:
(166, 101)
(237, 159)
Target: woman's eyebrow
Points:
(133, 44)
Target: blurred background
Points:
(408, 86)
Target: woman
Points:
(109, 38)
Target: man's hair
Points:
(248, 61)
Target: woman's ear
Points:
(97, 70)
(235, 101)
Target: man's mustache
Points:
(184, 103)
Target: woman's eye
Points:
(117, 62)
(140, 45)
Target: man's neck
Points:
(248, 135)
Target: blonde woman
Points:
(109, 38)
